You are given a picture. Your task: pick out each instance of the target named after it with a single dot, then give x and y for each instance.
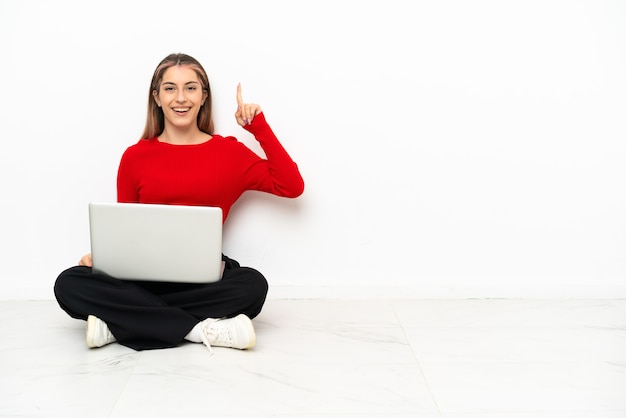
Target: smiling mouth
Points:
(181, 110)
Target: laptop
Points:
(171, 243)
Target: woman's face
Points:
(180, 96)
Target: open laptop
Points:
(132, 241)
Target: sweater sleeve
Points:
(127, 191)
(277, 173)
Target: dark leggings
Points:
(147, 315)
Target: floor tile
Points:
(231, 386)
(593, 388)
(324, 358)
(501, 344)
(513, 313)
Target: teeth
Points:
(181, 109)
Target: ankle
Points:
(195, 335)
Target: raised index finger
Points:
(239, 98)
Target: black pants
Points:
(147, 315)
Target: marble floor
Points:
(334, 358)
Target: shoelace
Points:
(205, 341)
(220, 334)
(204, 336)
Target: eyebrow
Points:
(172, 83)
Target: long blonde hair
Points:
(155, 121)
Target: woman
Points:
(181, 161)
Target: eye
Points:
(168, 88)
(192, 88)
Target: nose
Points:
(180, 96)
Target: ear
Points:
(204, 96)
(155, 94)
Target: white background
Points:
(449, 148)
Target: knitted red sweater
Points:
(214, 173)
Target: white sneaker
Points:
(98, 333)
(236, 332)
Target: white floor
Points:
(334, 358)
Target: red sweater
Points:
(214, 173)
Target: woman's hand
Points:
(245, 111)
(85, 261)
